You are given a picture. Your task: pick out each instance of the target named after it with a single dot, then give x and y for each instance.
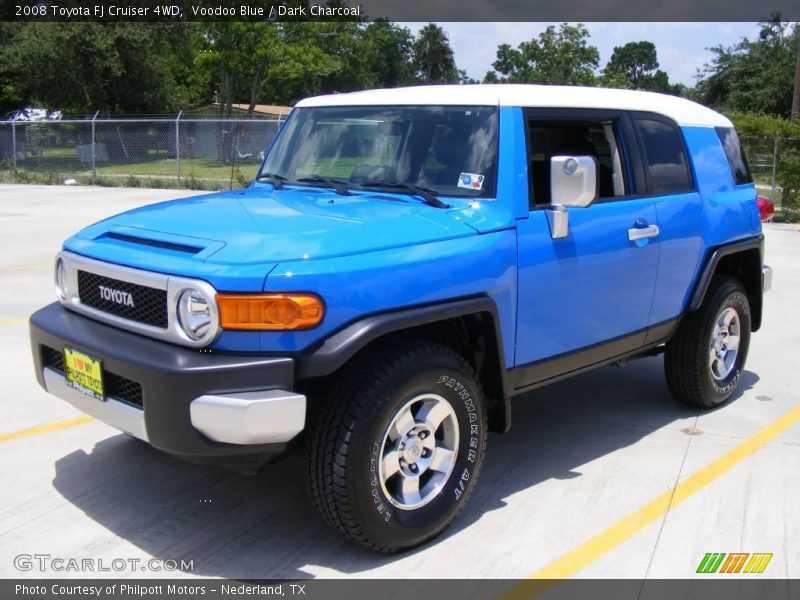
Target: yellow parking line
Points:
(29, 267)
(593, 549)
(40, 429)
(13, 321)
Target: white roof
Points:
(681, 110)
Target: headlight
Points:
(62, 283)
(194, 313)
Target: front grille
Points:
(53, 359)
(116, 386)
(123, 388)
(149, 304)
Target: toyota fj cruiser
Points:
(405, 263)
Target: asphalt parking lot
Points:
(603, 475)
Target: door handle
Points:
(640, 233)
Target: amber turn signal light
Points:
(269, 312)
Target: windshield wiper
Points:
(428, 195)
(338, 185)
(276, 180)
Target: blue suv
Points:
(405, 263)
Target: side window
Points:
(733, 151)
(664, 157)
(599, 138)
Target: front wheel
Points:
(396, 450)
(705, 360)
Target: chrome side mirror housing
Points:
(573, 183)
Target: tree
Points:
(389, 54)
(637, 62)
(614, 79)
(318, 58)
(753, 75)
(237, 54)
(284, 61)
(557, 56)
(11, 94)
(113, 67)
(796, 93)
(433, 56)
(465, 79)
(254, 61)
(491, 77)
(347, 51)
(281, 62)
(758, 132)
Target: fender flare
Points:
(713, 259)
(333, 352)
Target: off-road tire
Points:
(347, 430)
(686, 358)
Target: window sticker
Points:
(471, 181)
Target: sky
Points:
(681, 47)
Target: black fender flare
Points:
(712, 260)
(332, 353)
(328, 356)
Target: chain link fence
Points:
(775, 165)
(213, 154)
(198, 153)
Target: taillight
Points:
(766, 208)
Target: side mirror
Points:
(573, 183)
(573, 180)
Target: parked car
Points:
(35, 114)
(406, 263)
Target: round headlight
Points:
(194, 313)
(62, 284)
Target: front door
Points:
(591, 291)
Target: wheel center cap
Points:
(413, 449)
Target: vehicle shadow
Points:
(241, 527)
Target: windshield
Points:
(449, 150)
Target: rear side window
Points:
(664, 157)
(733, 150)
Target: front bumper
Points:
(766, 278)
(191, 403)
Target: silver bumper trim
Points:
(112, 412)
(766, 278)
(262, 417)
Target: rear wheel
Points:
(705, 360)
(396, 450)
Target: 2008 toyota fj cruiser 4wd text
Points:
(405, 263)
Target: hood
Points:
(262, 225)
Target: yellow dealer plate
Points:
(84, 373)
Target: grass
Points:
(56, 165)
(787, 215)
(155, 169)
(199, 167)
